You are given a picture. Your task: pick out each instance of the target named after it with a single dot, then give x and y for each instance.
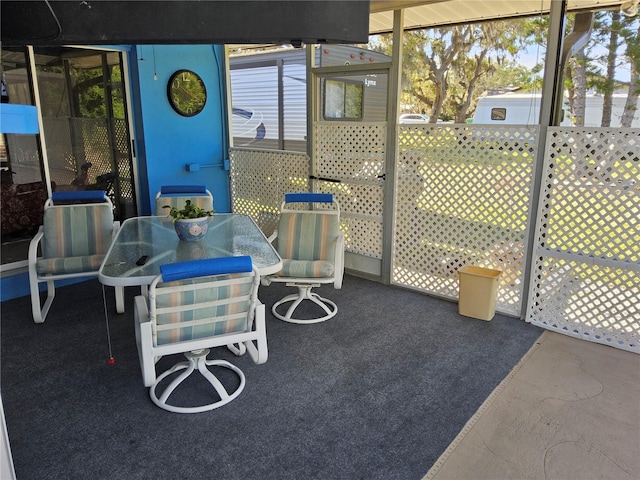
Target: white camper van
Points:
(269, 94)
(524, 109)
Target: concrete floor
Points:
(569, 410)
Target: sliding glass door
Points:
(84, 143)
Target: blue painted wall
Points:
(17, 285)
(165, 140)
(171, 141)
(14, 286)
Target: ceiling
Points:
(112, 22)
(429, 13)
(247, 21)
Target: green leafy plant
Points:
(189, 211)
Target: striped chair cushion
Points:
(86, 263)
(202, 201)
(77, 231)
(307, 236)
(176, 326)
(306, 268)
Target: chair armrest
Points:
(33, 246)
(144, 340)
(141, 309)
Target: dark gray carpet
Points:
(378, 392)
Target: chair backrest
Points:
(308, 234)
(177, 195)
(74, 229)
(203, 298)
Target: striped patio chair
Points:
(177, 195)
(312, 249)
(190, 308)
(76, 232)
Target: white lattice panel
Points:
(353, 155)
(592, 302)
(462, 198)
(363, 236)
(349, 150)
(259, 180)
(585, 282)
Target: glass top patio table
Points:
(228, 235)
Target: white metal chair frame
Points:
(39, 310)
(190, 277)
(179, 194)
(306, 284)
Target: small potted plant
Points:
(191, 222)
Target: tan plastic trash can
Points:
(478, 291)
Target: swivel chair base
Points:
(196, 360)
(305, 293)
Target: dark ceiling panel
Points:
(100, 22)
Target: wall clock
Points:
(187, 93)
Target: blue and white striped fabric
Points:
(306, 244)
(203, 298)
(76, 238)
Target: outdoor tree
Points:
(613, 45)
(631, 34)
(577, 69)
(446, 45)
(444, 68)
(607, 26)
(496, 45)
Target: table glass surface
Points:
(228, 235)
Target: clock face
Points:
(187, 93)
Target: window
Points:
(343, 100)
(498, 114)
(269, 99)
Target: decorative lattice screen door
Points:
(349, 154)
